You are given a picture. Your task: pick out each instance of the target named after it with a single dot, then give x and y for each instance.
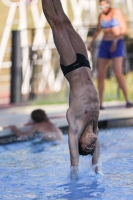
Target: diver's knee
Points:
(54, 20)
(66, 22)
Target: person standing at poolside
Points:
(83, 111)
(113, 24)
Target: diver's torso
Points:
(83, 95)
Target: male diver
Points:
(83, 111)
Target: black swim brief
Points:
(80, 62)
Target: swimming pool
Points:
(40, 171)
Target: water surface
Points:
(40, 171)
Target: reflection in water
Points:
(40, 171)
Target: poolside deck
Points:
(19, 115)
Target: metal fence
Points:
(41, 74)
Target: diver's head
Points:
(87, 141)
(105, 6)
(39, 115)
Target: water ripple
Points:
(40, 171)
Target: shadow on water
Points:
(37, 145)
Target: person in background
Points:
(39, 124)
(112, 22)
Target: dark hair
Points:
(39, 115)
(104, 0)
(83, 152)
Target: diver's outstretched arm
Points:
(73, 142)
(74, 153)
(96, 155)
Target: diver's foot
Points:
(102, 108)
(129, 105)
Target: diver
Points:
(83, 112)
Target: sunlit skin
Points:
(83, 97)
(113, 34)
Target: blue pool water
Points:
(40, 171)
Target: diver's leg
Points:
(60, 35)
(76, 41)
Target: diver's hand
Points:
(97, 168)
(74, 173)
(98, 172)
(113, 46)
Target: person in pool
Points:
(83, 112)
(39, 124)
(113, 24)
